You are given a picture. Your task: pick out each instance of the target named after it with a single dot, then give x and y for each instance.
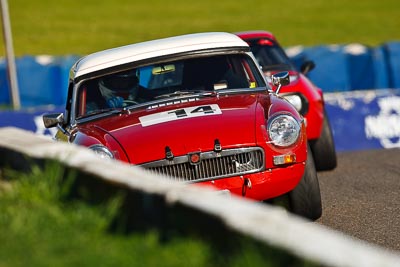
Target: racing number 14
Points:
(183, 113)
(201, 110)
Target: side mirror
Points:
(52, 120)
(280, 79)
(307, 66)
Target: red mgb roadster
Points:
(195, 108)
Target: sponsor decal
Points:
(178, 114)
(386, 125)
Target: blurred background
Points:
(59, 28)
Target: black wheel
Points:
(305, 198)
(323, 149)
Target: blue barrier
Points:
(350, 67)
(30, 120)
(365, 119)
(331, 64)
(360, 66)
(42, 80)
(393, 58)
(381, 68)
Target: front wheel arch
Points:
(323, 148)
(305, 198)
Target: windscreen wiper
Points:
(105, 111)
(184, 93)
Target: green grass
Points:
(39, 229)
(41, 226)
(80, 27)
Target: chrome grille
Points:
(212, 165)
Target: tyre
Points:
(305, 198)
(323, 149)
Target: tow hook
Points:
(246, 184)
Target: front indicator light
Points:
(284, 159)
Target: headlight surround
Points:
(295, 100)
(102, 151)
(283, 130)
(298, 101)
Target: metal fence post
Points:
(11, 69)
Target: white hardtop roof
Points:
(155, 48)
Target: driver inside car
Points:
(119, 88)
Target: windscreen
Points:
(270, 55)
(167, 79)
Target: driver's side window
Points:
(89, 99)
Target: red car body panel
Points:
(194, 134)
(235, 128)
(264, 185)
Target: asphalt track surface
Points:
(361, 197)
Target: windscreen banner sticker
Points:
(178, 114)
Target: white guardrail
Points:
(157, 200)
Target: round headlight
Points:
(283, 130)
(102, 151)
